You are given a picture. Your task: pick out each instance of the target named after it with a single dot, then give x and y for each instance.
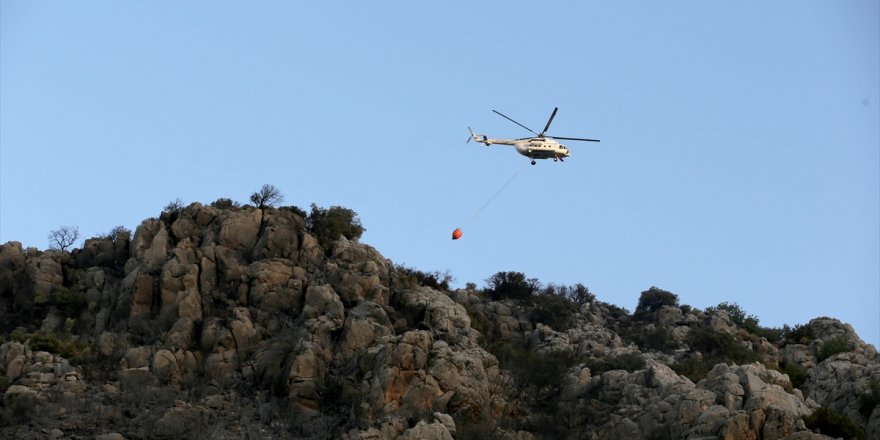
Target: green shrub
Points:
(68, 302)
(748, 322)
(722, 346)
(328, 224)
(658, 338)
(831, 423)
(224, 203)
(869, 400)
(296, 210)
(414, 277)
(694, 368)
(68, 347)
(629, 362)
(511, 285)
(555, 311)
(714, 348)
(529, 367)
(799, 334)
(17, 409)
(798, 375)
(578, 294)
(739, 316)
(615, 313)
(833, 346)
(653, 300)
(771, 334)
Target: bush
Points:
(578, 294)
(328, 224)
(714, 348)
(869, 400)
(615, 312)
(653, 300)
(721, 346)
(772, 334)
(511, 285)
(831, 423)
(748, 322)
(414, 277)
(796, 374)
(224, 203)
(629, 362)
(531, 368)
(739, 317)
(296, 210)
(118, 234)
(694, 368)
(658, 338)
(833, 346)
(68, 347)
(17, 409)
(555, 311)
(174, 207)
(799, 334)
(68, 302)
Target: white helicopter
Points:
(542, 146)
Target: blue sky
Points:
(739, 159)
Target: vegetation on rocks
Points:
(229, 321)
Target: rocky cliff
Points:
(240, 323)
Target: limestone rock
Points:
(426, 431)
(239, 230)
(323, 304)
(839, 382)
(280, 237)
(276, 286)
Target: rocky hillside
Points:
(238, 322)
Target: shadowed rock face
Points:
(238, 323)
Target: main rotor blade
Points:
(517, 123)
(574, 139)
(547, 127)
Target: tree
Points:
(174, 207)
(654, 299)
(267, 196)
(580, 294)
(328, 224)
(118, 234)
(511, 285)
(739, 316)
(63, 237)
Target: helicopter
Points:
(542, 146)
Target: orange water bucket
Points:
(456, 234)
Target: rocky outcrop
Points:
(733, 402)
(238, 323)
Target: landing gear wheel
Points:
(533, 162)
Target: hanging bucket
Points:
(456, 234)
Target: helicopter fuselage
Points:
(533, 148)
